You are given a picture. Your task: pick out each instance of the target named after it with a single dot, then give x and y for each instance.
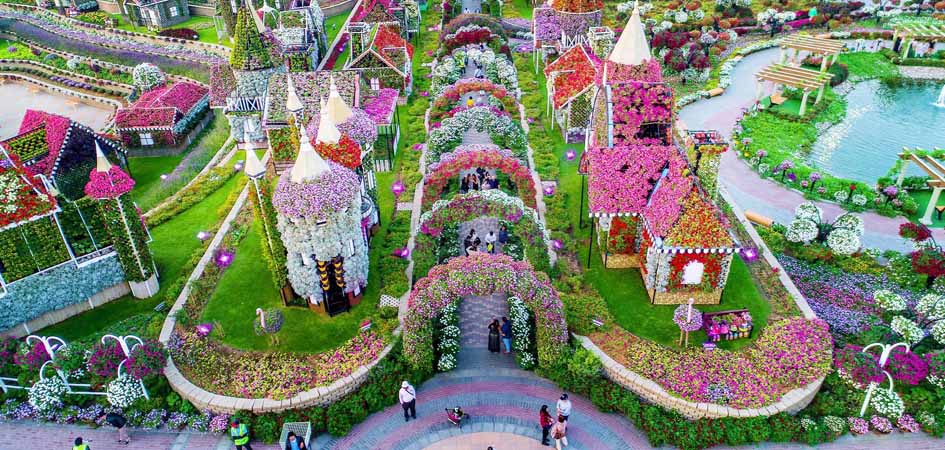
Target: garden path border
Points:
(206, 400)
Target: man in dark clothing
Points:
(507, 334)
(118, 421)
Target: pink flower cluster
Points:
(381, 107)
(108, 185)
(318, 199)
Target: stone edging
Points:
(205, 400)
(792, 402)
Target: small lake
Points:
(881, 119)
(18, 97)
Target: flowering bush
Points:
(856, 366)
(147, 359)
(907, 424)
(909, 330)
(842, 236)
(888, 300)
(881, 424)
(108, 185)
(478, 275)
(858, 425)
(46, 394)
(123, 391)
(105, 359)
(147, 76)
(521, 333)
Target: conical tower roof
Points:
(101, 162)
(293, 103)
(632, 47)
(327, 130)
(309, 164)
(338, 110)
(254, 167)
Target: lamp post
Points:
(883, 357)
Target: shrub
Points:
(180, 33)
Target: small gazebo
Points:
(828, 49)
(796, 77)
(933, 168)
(911, 32)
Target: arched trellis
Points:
(503, 130)
(450, 98)
(525, 227)
(481, 275)
(468, 157)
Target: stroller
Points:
(456, 416)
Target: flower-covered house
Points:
(382, 57)
(650, 210)
(570, 84)
(61, 150)
(157, 14)
(164, 116)
(561, 24)
(299, 35)
(320, 222)
(59, 257)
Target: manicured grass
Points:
(922, 199)
(333, 26)
(147, 171)
(518, 9)
(628, 302)
(865, 65)
(202, 25)
(174, 243)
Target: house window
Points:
(692, 273)
(147, 139)
(173, 11)
(375, 84)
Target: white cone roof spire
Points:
(309, 164)
(293, 103)
(327, 130)
(253, 167)
(338, 110)
(632, 47)
(101, 162)
(260, 26)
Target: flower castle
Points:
(652, 212)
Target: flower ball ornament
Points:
(123, 391)
(147, 76)
(46, 394)
(687, 318)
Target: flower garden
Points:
(298, 271)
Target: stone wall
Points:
(791, 402)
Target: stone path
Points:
(475, 314)
(764, 196)
(482, 225)
(501, 399)
(29, 435)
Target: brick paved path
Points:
(475, 314)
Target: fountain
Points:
(941, 98)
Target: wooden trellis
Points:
(912, 32)
(933, 168)
(796, 77)
(828, 49)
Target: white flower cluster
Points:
(123, 391)
(801, 230)
(888, 300)
(681, 16)
(843, 241)
(887, 403)
(858, 199)
(909, 330)
(448, 345)
(841, 196)
(521, 331)
(147, 76)
(46, 394)
(447, 362)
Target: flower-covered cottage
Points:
(571, 81)
(61, 150)
(382, 57)
(651, 211)
(298, 33)
(163, 117)
(320, 222)
(561, 24)
(59, 256)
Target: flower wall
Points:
(470, 157)
(483, 275)
(129, 237)
(20, 200)
(273, 249)
(331, 192)
(789, 354)
(636, 104)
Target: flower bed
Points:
(790, 354)
(331, 192)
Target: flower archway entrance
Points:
(475, 156)
(481, 275)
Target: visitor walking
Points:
(503, 235)
(490, 242)
(564, 406)
(468, 242)
(507, 334)
(546, 422)
(559, 431)
(494, 336)
(79, 445)
(240, 434)
(293, 442)
(408, 401)
(118, 421)
(464, 185)
(475, 239)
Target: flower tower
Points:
(650, 210)
(108, 184)
(318, 206)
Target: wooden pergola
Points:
(829, 49)
(804, 79)
(912, 32)
(932, 167)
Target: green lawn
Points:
(333, 26)
(174, 243)
(147, 171)
(864, 65)
(922, 199)
(201, 24)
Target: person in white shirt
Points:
(564, 406)
(490, 242)
(408, 400)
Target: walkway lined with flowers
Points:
(764, 196)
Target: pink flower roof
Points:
(161, 107)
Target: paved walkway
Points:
(475, 315)
(764, 196)
(30, 435)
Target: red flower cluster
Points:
(579, 71)
(712, 270)
(31, 199)
(346, 152)
(577, 6)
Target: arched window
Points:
(692, 273)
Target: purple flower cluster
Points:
(381, 107)
(360, 127)
(331, 192)
(907, 424)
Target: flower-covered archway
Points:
(497, 67)
(503, 131)
(438, 238)
(480, 275)
(449, 99)
(472, 156)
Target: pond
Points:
(881, 120)
(18, 97)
